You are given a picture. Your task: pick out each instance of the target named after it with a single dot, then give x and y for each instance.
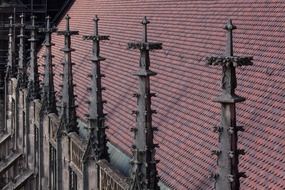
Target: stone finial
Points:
(229, 62)
(228, 176)
(48, 92)
(143, 165)
(96, 114)
(145, 22)
(67, 31)
(22, 66)
(145, 45)
(229, 27)
(67, 18)
(68, 115)
(11, 68)
(96, 21)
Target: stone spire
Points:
(48, 93)
(96, 114)
(228, 176)
(144, 173)
(33, 80)
(22, 66)
(68, 110)
(11, 68)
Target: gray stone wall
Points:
(45, 155)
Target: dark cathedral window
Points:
(36, 138)
(73, 180)
(13, 114)
(24, 128)
(53, 174)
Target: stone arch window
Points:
(72, 179)
(52, 164)
(13, 114)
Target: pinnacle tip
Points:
(229, 25)
(67, 17)
(48, 22)
(145, 21)
(96, 18)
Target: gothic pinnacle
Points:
(11, 68)
(96, 103)
(144, 173)
(228, 176)
(22, 66)
(48, 93)
(68, 110)
(33, 80)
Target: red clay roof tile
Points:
(190, 31)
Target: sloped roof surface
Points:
(190, 31)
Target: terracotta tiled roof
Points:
(190, 31)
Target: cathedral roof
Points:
(189, 31)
